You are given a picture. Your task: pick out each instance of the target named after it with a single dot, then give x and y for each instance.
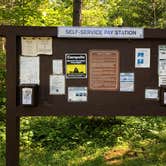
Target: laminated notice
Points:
(152, 94)
(126, 82)
(77, 94)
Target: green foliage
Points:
(2, 86)
(149, 13)
(85, 140)
(2, 106)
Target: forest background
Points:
(85, 141)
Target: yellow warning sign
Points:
(76, 66)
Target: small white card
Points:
(57, 66)
(57, 84)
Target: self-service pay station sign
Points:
(53, 71)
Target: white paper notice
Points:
(57, 84)
(162, 52)
(142, 57)
(29, 46)
(29, 70)
(126, 82)
(27, 96)
(77, 94)
(152, 94)
(44, 45)
(162, 80)
(164, 97)
(162, 67)
(162, 60)
(33, 46)
(57, 66)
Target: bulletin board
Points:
(86, 75)
(57, 71)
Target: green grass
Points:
(92, 156)
(90, 142)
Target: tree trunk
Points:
(77, 5)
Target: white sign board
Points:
(77, 94)
(142, 57)
(57, 84)
(94, 32)
(29, 70)
(126, 82)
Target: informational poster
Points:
(77, 94)
(76, 65)
(26, 96)
(162, 80)
(104, 70)
(126, 82)
(57, 84)
(29, 70)
(142, 57)
(162, 60)
(162, 66)
(28, 46)
(57, 66)
(162, 51)
(33, 46)
(44, 45)
(152, 94)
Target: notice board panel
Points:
(89, 96)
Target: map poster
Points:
(76, 65)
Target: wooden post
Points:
(12, 121)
